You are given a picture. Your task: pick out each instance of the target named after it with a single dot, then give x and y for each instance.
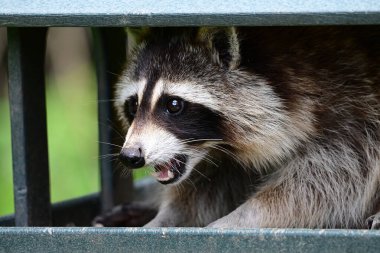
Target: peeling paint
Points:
(48, 230)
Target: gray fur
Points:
(301, 129)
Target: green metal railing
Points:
(187, 13)
(28, 120)
(27, 23)
(185, 240)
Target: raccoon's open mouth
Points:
(171, 170)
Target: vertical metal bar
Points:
(28, 121)
(110, 57)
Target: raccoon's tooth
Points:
(163, 174)
(170, 174)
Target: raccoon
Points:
(256, 127)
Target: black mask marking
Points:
(195, 122)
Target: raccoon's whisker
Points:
(203, 175)
(211, 159)
(125, 173)
(110, 160)
(112, 73)
(106, 100)
(226, 151)
(208, 159)
(148, 172)
(108, 156)
(189, 139)
(178, 161)
(114, 128)
(179, 188)
(110, 124)
(158, 161)
(190, 182)
(174, 168)
(198, 153)
(203, 155)
(198, 140)
(229, 153)
(121, 168)
(185, 141)
(111, 144)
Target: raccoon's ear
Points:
(224, 43)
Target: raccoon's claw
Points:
(373, 222)
(125, 215)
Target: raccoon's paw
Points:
(373, 222)
(229, 221)
(125, 215)
(218, 224)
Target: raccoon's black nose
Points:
(132, 157)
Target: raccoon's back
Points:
(332, 50)
(335, 68)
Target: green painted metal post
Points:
(110, 57)
(29, 131)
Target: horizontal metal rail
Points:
(186, 240)
(188, 13)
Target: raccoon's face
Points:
(171, 128)
(167, 99)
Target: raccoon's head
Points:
(183, 95)
(166, 98)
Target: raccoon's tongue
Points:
(164, 171)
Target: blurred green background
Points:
(71, 114)
(72, 137)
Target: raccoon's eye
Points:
(131, 107)
(175, 105)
